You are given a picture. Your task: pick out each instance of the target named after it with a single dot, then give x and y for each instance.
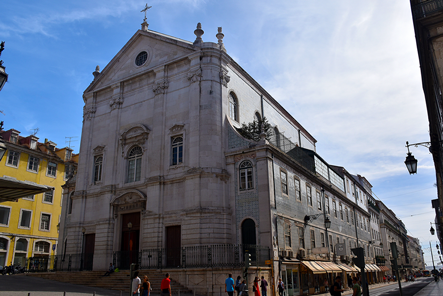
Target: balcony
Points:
(427, 8)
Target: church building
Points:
(166, 180)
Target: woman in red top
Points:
(256, 286)
(165, 286)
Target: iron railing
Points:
(203, 256)
(426, 8)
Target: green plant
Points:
(254, 129)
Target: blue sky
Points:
(347, 71)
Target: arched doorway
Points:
(248, 238)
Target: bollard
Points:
(29, 294)
(64, 293)
(93, 294)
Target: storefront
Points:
(348, 272)
(291, 277)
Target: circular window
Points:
(141, 58)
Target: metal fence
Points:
(203, 256)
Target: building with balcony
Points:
(29, 225)
(427, 17)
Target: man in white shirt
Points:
(136, 282)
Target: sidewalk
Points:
(374, 286)
(432, 289)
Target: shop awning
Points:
(369, 268)
(12, 189)
(346, 268)
(314, 267)
(329, 266)
(383, 268)
(375, 267)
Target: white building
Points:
(166, 180)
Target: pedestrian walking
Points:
(336, 288)
(264, 286)
(136, 285)
(229, 285)
(356, 287)
(165, 286)
(256, 287)
(237, 285)
(146, 286)
(280, 287)
(243, 288)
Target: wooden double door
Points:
(130, 240)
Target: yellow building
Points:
(29, 226)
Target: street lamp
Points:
(3, 74)
(411, 162)
(327, 223)
(432, 230)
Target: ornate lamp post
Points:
(3, 74)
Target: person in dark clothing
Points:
(337, 289)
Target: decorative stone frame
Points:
(174, 131)
(135, 135)
(41, 240)
(251, 159)
(131, 200)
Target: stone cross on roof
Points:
(145, 10)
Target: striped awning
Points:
(11, 189)
(375, 267)
(329, 266)
(369, 268)
(346, 267)
(314, 267)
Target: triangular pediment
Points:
(159, 48)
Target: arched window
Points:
(3, 250)
(233, 107)
(134, 164)
(98, 162)
(21, 248)
(41, 247)
(177, 150)
(246, 175)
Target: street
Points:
(19, 285)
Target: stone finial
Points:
(198, 32)
(96, 72)
(220, 36)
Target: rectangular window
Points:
(352, 217)
(68, 155)
(13, 139)
(341, 211)
(4, 216)
(312, 239)
(284, 182)
(327, 204)
(45, 221)
(301, 237)
(29, 197)
(322, 239)
(297, 189)
(52, 169)
(177, 150)
(338, 240)
(287, 231)
(33, 144)
(98, 163)
(33, 163)
(318, 200)
(309, 194)
(347, 214)
(334, 208)
(246, 180)
(25, 218)
(13, 158)
(331, 247)
(48, 196)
